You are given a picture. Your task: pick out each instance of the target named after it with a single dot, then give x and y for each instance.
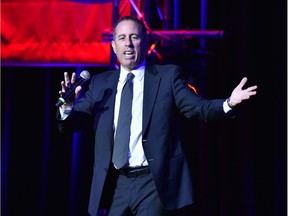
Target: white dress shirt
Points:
(136, 155)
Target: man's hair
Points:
(143, 29)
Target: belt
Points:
(134, 171)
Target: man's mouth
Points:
(129, 54)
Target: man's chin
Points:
(130, 65)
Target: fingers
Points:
(239, 93)
(252, 88)
(248, 92)
(249, 89)
(242, 82)
(73, 77)
(63, 88)
(66, 78)
(67, 82)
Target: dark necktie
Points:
(122, 136)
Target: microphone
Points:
(84, 76)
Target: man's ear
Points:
(113, 46)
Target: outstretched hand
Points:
(239, 94)
(66, 84)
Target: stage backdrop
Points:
(44, 31)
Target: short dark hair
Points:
(143, 28)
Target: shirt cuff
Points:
(64, 112)
(226, 107)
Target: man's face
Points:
(129, 45)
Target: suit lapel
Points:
(151, 84)
(108, 121)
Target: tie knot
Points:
(130, 77)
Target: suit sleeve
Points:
(191, 104)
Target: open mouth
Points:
(129, 54)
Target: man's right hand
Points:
(66, 84)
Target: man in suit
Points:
(155, 179)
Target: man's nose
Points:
(128, 42)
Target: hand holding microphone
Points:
(71, 88)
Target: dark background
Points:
(239, 165)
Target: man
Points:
(155, 179)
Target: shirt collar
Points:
(138, 72)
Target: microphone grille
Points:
(85, 75)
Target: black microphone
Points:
(84, 76)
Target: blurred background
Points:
(239, 165)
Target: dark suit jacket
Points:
(166, 97)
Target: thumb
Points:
(77, 91)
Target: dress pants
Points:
(135, 196)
